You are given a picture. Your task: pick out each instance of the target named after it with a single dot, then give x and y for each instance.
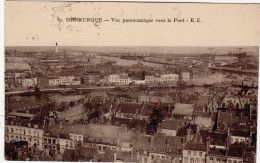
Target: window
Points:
(194, 153)
(185, 159)
(36, 134)
(200, 154)
(189, 152)
(45, 140)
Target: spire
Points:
(56, 47)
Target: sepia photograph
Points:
(131, 82)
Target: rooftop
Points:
(195, 146)
(170, 124)
(127, 107)
(72, 111)
(224, 117)
(183, 109)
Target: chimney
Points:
(60, 125)
(207, 144)
(114, 157)
(44, 122)
(152, 139)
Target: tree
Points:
(154, 120)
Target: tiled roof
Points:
(170, 124)
(235, 151)
(159, 141)
(203, 100)
(129, 107)
(183, 109)
(87, 152)
(104, 132)
(224, 117)
(76, 110)
(143, 142)
(215, 138)
(166, 144)
(240, 133)
(148, 109)
(195, 146)
(175, 142)
(124, 156)
(216, 153)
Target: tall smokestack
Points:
(56, 47)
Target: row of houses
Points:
(201, 146)
(64, 80)
(95, 78)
